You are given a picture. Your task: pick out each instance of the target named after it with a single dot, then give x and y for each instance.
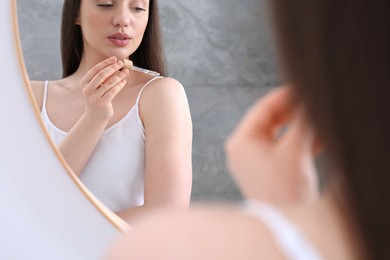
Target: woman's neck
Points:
(88, 62)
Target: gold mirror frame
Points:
(47, 213)
(112, 218)
(108, 214)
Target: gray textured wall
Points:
(219, 50)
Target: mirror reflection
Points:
(125, 131)
(211, 49)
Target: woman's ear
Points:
(274, 168)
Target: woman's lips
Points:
(119, 39)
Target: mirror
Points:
(229, 48)
(44, 214)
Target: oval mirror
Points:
(44, 214)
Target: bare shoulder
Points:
(38, 88)
(163, 88)
(203, 233)
(165, 95)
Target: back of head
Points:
(336, 55)
(149, 54)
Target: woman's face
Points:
(112, 27)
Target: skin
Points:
(227, 233)
(257, 141)
(102, 93)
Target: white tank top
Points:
(287, 236)
(115, 171)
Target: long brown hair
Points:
(149, 54)
(336, 54)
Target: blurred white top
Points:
(287, 236)
(115, 171)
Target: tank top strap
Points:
(142, 89)
(288, 238)
(45, 95)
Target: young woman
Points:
(127, 134)
(336, 58)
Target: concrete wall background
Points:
(221, 51)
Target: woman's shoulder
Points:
(230, 233)
(164, 108)
(203, 233)
(163, 94)
(38, 88)
(163, 85)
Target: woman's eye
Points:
(105, 5)
(138, 9)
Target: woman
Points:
(336, 58)
(127, 134)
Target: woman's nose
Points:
(122, 18)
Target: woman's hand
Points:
(267, 164)
(100, 86)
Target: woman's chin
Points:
(121, 54)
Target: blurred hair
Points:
(149, 54)
(336, 55)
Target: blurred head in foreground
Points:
(335, 58)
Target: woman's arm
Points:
(165, 113)
(100, 86)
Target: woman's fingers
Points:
(112, 92)
(111, 82)
(104, 79)
(267, 115)
(96, 69)
(104, 74)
